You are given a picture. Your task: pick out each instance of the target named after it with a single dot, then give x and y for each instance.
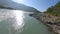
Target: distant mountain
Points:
(9, 4)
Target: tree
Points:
(57, 4)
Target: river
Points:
(19, 22)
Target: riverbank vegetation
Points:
(54, 10)
(51, 17)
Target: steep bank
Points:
(51, 17)
(51, 21)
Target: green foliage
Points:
(58, 4)
(54, 10)
(50, 9)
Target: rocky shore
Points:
(53, 22)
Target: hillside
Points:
(54, 10)
(51, 18)
(9, 4)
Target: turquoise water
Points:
(18, 22)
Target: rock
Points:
(49, 20)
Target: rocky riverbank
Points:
(53, 22)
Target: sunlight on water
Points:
(19, 20)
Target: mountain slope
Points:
(14, 5)
(54, 10)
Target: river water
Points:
(19, 22)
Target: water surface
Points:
(19, 22)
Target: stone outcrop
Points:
(51, 21)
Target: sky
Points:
(41, 5)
